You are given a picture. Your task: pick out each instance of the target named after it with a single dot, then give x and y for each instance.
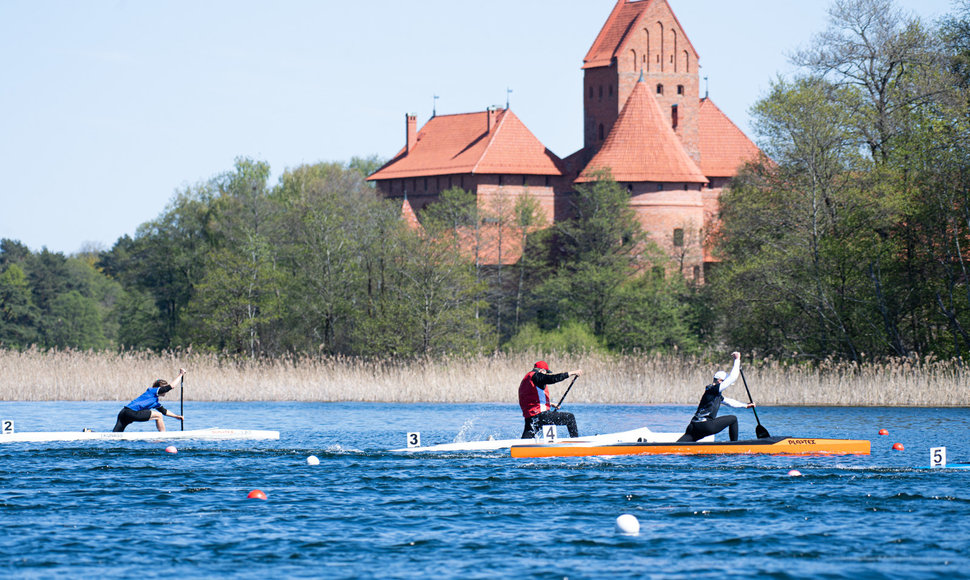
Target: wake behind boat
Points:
(211, 433)
(643, 434)
(768, 445)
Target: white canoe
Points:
(641, 435)
(211, 434)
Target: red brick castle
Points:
(644, 121)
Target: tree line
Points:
(849, 238)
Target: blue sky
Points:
(111, 106)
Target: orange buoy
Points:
(883, 432)
(256, 494)
(898, 446)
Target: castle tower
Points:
(641, 38)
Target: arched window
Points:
(673, 116)
(660, 89)
(633, 53)
(660, 46)
(646, 43)
(686, 62)
(674, 51)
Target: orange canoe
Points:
(771, 445)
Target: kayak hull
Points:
(210, 434)
(641, 434)
(772, 445)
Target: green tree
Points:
(74, 322)
(19, 318)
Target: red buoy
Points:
(898, 446)
(883, 432)
(256, 494)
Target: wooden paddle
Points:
(567, 392)
(760, 430)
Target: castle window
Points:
(660, 187)
(591, 92)
(547, 181)
(679, 237)
(629, 188)
(523, 180)
(680, 89)
(601, 131)
(601, 91)
(500, 180)
(611, 90)
(660, 89)
(673, 116)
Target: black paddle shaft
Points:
(567, 392)
(182, 401)
(760, 430)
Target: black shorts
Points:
(126, 417)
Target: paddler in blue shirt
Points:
(705, 421)
(147, 407)
(534, 401)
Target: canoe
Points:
(770, 445)
(210, 434)
(634, 435)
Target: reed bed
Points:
(70, 375)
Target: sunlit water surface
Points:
(129, 509)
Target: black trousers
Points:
(535, 423)
(701, 429)
(126, 417)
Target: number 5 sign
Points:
(938, 457)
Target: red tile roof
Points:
(613, 36)
(642, 146)
(454, 144)
(409, 217)
(723, 146)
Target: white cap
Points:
(720, 376)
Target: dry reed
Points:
(69, 375)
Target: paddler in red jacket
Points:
(537, 408)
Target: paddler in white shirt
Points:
(705, 421)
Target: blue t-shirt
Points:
(147, 400)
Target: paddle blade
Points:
(761, 432)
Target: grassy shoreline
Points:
(36, 375)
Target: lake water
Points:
(129, 509)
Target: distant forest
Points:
(850, 239)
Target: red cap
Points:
(542, 365)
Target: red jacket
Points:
(534, 393)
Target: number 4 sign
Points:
(938, 457)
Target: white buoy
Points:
(628, 524)
(313, 460)
(794, 473)
(171, 449)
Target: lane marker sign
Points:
(414, 439)
(937, 457)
